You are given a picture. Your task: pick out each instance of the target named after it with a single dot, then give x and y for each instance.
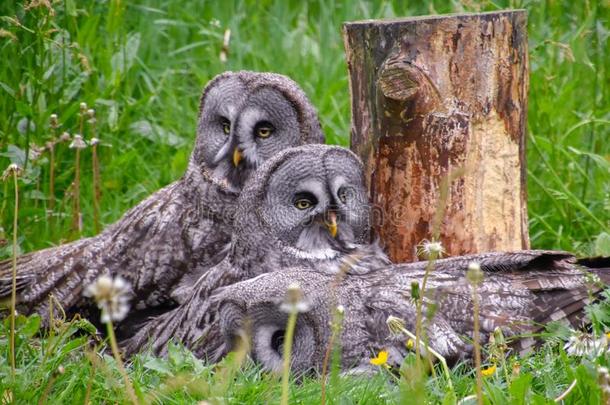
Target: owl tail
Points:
(566, 302)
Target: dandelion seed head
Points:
(581, 344)
(65, 137)
(395, 324)
(474, 273)
(431, 249)
(35, 152)
(294, 301)
(112, 297)
(53, 121)
(78, 142)
(83, 107)
(12, 170)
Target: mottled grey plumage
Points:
(520, 292)
(271, 232)
(166, 242)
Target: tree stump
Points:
(433, 97)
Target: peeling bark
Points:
(431, 96)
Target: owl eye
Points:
(304, 201)
(263, 129)
(344, 193)
(226, 125)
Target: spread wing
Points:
(150, 246)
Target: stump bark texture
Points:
(438, 98)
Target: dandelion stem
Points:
(76, 219)
(117, 356)
(96, 189)
(397, 323)
(51, 180)
(14, 265)
(336, 331)
(477, 345)
(419, 310)
(292, 320)
(566, 392)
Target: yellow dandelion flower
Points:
(410, 344)
(488, 370)
(381, 359)
(608, 335)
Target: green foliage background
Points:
(142, 64)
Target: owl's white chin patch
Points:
(313, 244)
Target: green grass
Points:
(141, 65)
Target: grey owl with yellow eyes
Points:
(306, 207)
(165, 243)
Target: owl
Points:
(519, 293)
(305, 207)
(166, 242)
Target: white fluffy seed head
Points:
(112, 297)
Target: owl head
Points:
(306, 205)
(247, 117)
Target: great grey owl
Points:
(520, 292)
(162, 245)
(306, 207)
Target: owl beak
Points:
(332, 224)
(237, 157)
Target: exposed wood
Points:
(432, 96)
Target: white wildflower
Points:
(340, 309)
(94, 141)
(294, 301)
(112, 297)
(77, 142)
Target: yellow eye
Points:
(303, 203)
(263, 129)
(263, 132)
(226, 127)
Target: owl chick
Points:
(306, 207)
(162, 245)
(518, 292)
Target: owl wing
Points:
(137, 247)
(194, 323)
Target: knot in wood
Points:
(398, 80)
